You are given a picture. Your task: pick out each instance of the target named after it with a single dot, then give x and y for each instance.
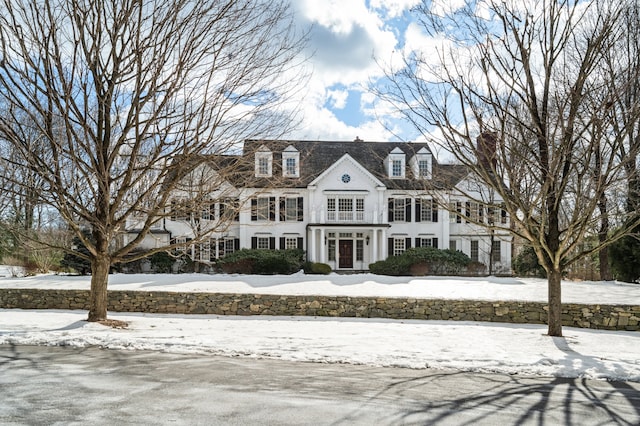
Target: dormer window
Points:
(396, 164)
(422, 164)
(264, 163)
(290, 162)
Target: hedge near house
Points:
(423, 261)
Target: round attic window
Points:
(346, 178)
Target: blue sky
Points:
(347, 39)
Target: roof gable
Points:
(345, 165)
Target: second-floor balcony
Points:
(332, 216)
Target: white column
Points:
(383, 243)
(374, 246)
(312, 245)
(323, 250)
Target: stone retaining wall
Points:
(609, 317)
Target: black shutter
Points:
(418, 241)
(300, 210)
(300, 243)
(254, 242)
(283, 209)
(282, 243)
(254, 209)
(236, 244)
(391, 210)
(173, 210)
(407, 210)
(390, 246)
(221, 208)
(434, 243)
(467, 210)
(272, 243)
(407, 243)
(221, 248)
(419, 210)
(434, 211)
(272, 209)
(236, 209)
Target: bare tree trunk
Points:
(98, 299)
(554, 320)
(603, 235)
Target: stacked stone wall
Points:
(595, 316)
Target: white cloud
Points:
(338, 98)
(394, 8)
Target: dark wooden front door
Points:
(345, 253)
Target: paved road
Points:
(53, 385)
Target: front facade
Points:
(347, 204)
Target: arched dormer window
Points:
(290, 162)
(264, 162)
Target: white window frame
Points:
(290, 243)
(291, 209)
(426, 210)
(262, 208)
(496, 251)
(399, 246)
(264, 164)
(474, 251)
(262, 243)
(399, 210)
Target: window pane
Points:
(290, 166)
(359, 250)
(495, 251)
(291, 211)
(331, 246)
(425, 210)
(398, 210)
(263, 243)
(263, 208)
(398, 246)
(291, 243)
(396, 168)
(474, 251)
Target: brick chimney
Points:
(486, 150)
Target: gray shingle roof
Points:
(317, 156)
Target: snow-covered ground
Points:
(469, 346)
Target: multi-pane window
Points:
(426, 210)
(423, 168)
(262, 243)
(290, 167)
(453, 245)
(455, 212)
(398, 246)
(359, 208)
(291, 243)
(263, 208)
(359, 250)
(291, 209)
(396, 168)
(496, 254)
(425, 242)
(342, 209)
(205, 252)
(331, 246)
(345, 209)
(399, 209)
(180, 210)
(474, 255)
(263, 166)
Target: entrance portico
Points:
(347, 246)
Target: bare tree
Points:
(509, 92)
(126, 97)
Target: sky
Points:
(522, 349)
(347, 42)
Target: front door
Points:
(345, 254)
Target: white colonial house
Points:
(347, 204)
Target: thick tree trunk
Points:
(603, 235)
(99, 278)
(555, 303)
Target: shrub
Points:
(422, 261)
(526, 264)
(253, 261)
(316, 268)
(161, 262)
